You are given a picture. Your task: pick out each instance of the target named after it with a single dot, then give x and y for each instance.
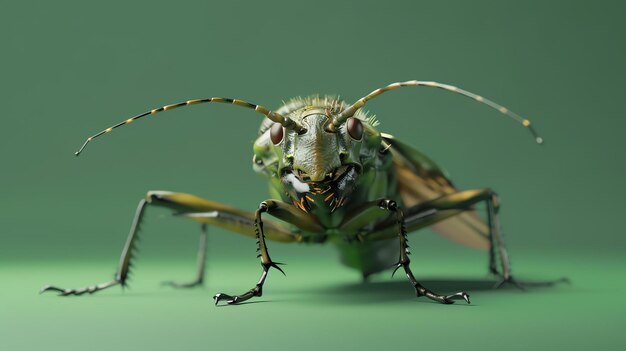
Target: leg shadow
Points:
(400, 290)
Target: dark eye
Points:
(276, 133)
(355, 128)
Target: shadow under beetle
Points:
(334, 177)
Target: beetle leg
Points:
(446, 205)
(192, 207)
(123, 266)
(496, 240)
(404, 261)
(430, 212)
(266, 261)
(201, 263)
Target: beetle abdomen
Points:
(369, 257)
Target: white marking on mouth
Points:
(297, 184)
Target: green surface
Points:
(72, 69)
(318, 306)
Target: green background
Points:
(72, 69)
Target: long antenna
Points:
(349, 112)
(278, 118)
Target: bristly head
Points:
(320, 163)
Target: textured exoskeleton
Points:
(333, 177)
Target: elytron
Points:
(333, 177)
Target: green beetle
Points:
(334, 177)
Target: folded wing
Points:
(420, 179)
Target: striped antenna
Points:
(276, 117)
(349, 112)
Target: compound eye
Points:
(355, 128)
(276, 133)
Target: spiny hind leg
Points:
(123, 267)
(193, 207)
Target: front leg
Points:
(266, 262)
(396, 228)
(404, 260)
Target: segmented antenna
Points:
(349, 112)
(276, 117)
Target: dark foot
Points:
(422, 291)
(522, 285)
(193, 284)
(444, 299)
(233, 300)
(90, 289)
(450, 299)
(223, 297)
(509, 281)
(256, 291)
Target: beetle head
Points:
(319, 161)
